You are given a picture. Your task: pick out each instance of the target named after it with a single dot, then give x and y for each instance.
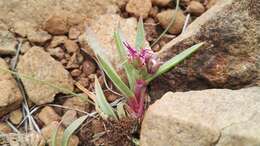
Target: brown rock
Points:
(25, 47)
(7, 43)
(68, 117)
(23, 28)
(195, 8)
(4, 128)
(229, 29)
(39, 64)
(71, 46)
(57, 40)
(10, 96)
(161, 2)
(211, 3)
(74, 32)
(140, 8)
(57, 52)
(88, 67)
(47, 115)
(75, 73)
(46, 133)
(204, 118)
(57, 24)
(16, 116)
(165, 18)
(39, 37)
(76, 103)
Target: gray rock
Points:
(40, 65)
(214, 117)
(7, 43)
(104, 28)
(231, 35)
(10, 96)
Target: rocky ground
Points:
(45, 40)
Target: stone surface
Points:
(57, 40)
(71, 46)
(4, 128)
(139, 8)
(46, 132)
(47, 115)
(161, 2)
(196, 8)
(229, 29)
(38, 37)
(76, 103)
(10, 96)
(165, 18)
(104, 28)
(40, 65)
(16, 116)
(36, 12)
(214, 117)
(7, 43)
(56, 24)
(69, 117)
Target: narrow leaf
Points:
(129, 69)
(54, 135)
(139, 41)
(120, 110)
(111, 73)
(101, 101)
(174, 61)
(71, 129)
(106, 66)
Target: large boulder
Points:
(229, 58)
(38, 64)
(10, 95)
(214, 117)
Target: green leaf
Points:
(101, 101)
(174, 61)
(129, 69)
(139, 41)
(71, 129)
(53, 136)
(106, 66)
(120, 110)
(114, 77)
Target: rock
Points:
(10, 96)
(195, 8)
(47, 115)
(46, 132)
(76, 103)
(75, 73)
(23, 28)
(69, 117)
(204, 118)
(40, 65)
(39, 37)
(229, 29)
(36, 12)
(211, 3)
(139, 8)
(161, 2)
(57, 40)
(88, 67)
(25, 47)
(165, 18)
(16, 116)
(71, 46)
(31, 138)
(7, 43)
(57, 52)
(104, 28)
(74, 32)
(57, 25)
(4, 128)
